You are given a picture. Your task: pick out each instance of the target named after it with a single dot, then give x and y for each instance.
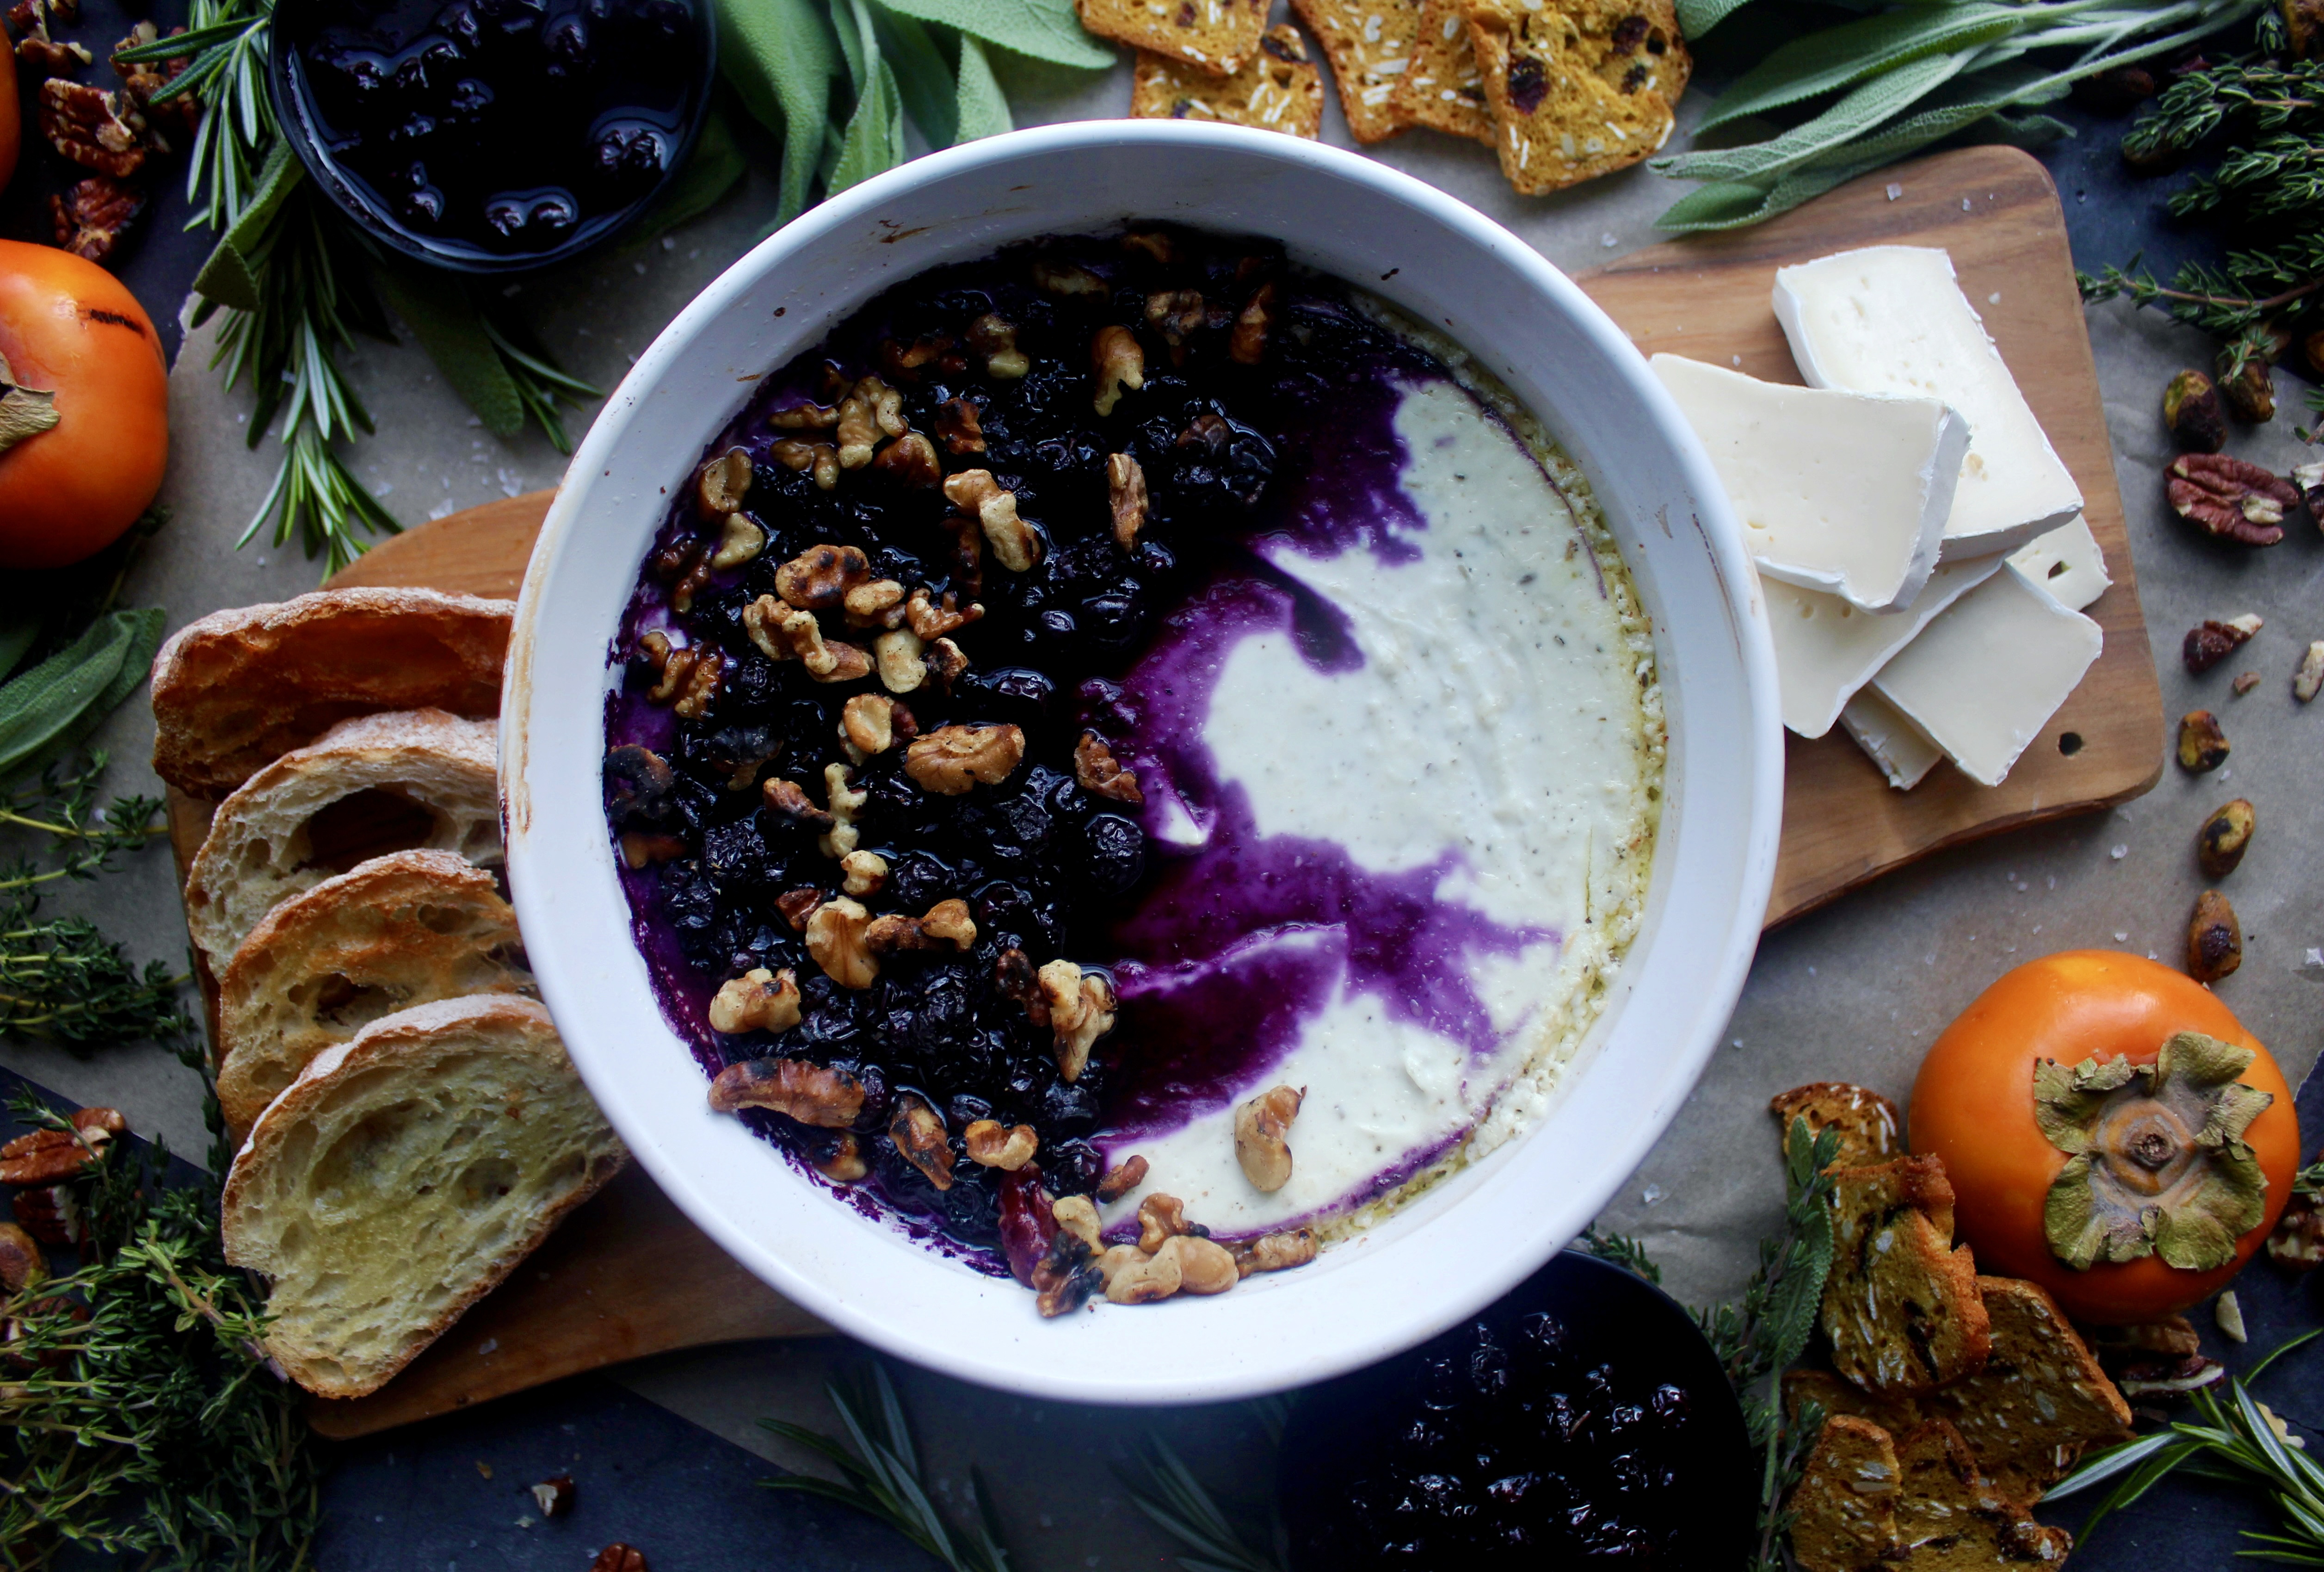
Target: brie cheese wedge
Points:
(2067, 565)
(1843, 492)
(1894, 744)
(1983, 678)
(1826, 648)
(1890, 320)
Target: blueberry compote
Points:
(1148, 403)
(499, 128)
(1580, 1420)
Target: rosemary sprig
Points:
(1177, 1504)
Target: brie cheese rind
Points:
(2066, 565)
(1894, 742)
(1891, 319)
(1983, 678)
(1826, 649)
(1843, 492)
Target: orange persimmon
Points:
(2068, 1133)
(85, 410)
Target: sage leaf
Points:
(1842, 57)
(851, 20)
(1047, 29)
(1858, 112)
(780, 56)
(226, 278)
(18, 631)
(437, 307)
(1697, 17)
(922, 78)
(710, 170)
(41, 707)
(984, 109)
(873, 141)
(144, 626)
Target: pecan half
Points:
(2209, 642)
(619, 1558)
(2232, 498)
(90, 218)
(811, 1094)
(95, 128)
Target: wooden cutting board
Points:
(628, 1275)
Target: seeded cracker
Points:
(1900, 1307)
(1443, 90)
(1279, 90)
(1844, 1507)
(1951, 1517)
(1866, 1120)
(1370, 45)
(1579, 87)
(1214, 36)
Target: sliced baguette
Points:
(396, 932)
(240, 688)
(259, 849)
(402, 1176)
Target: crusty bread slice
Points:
(260, 845)
(1844, 1507)
(396, 932)
(240, 688)
(402, 1176)
(1901, 1305)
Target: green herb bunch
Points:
(142, 1419)
(1908, 76)
(2261, 196)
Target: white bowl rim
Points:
(1717, 986)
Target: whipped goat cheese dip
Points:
(1476, 776)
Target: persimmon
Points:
(2067, 1103)
(84, 407)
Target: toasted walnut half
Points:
(1116, 363)
(1175, 313)
(953, 759)
(689, 677)
(811, 1094)
(1260, 1126)
(960, 427)
(946, 923)
(1132, 1277)
(787, 800)
(1125, 484)
(877, 605)
(835, 939)
(995, 337)
(739, 541)
(1095, 769)
(757, 1001)
(919, 1132)
(898, 654)
(870, 410)
(798, 905)
(1075, 1215)
(871, 722)
(991, 1145)
(1159, 1217)
(1080, 1007)
(911, 459)
(1204, 1266)
(1014, 544)
(720, 486)
(844, 1164)
(819, 457)
(819, 577)
(930, 620)
(866, 873)
(785, 632)
(807, 416)
(1274, 1251)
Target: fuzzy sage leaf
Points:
(43, 710)
(1842, 57)
(780, 56)
(982, 109)
(1047, 29)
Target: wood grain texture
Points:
(1995, 210)
(627, 1275)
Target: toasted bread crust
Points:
(396, 932)
(1844, 1507)
(240, 688)
(1215, 37)
(525, 1027)
(1279, 89)
(1579, 87)
(255, 855)
(1868, 1121)
(1370, 45)
(1900, 1307)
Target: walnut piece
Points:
(739, 541)
(1125, 484)
(974, 492)
(2230, 497)
(866, 873)
(960, 429)
(1080, 1007)
(1065, 1276)
(919, 1132)
(90, 218)
(870, 410)
(641, 848)
(995, 337)
(1248, 342)
(946, 923)
(1116, 363)
(2215, 939)
(1159, 1217)
(1274, 1251)
(1119, 1182)
(1077, 1217)
(1132, 1277)
(819, 577)
(929, 620)
(844, 799)
(757, 1001)
(786, 633)
(722, 483)
(911, 458)
(1260, 1128)
(1174, 314)
(991, 1145)
(98, 129)
(844, 1165)
(1204, 1265)
(811, 1094)
(953, 759)
(870, 721)
(879, 604)
(835, 941)
(945, 663)
(1156, 244)
(898, 654)
(819, 457)
(689, 677)
(789, 801)
(1066, 278)
(2225, 835)
(805, 416)
(1095, 769)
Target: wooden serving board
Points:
(627, 1275)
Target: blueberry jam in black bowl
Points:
(1582, 1419)
(491, 135)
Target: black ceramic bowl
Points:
(1582, 1419)
(491, 135)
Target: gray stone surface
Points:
(1855, 992)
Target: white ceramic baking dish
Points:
(1465, 1241)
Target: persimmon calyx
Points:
(23, 411)
(2156, 1159)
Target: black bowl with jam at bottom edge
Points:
(668, 105)
(1478, 1451)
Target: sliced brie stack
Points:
(1920, 544)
